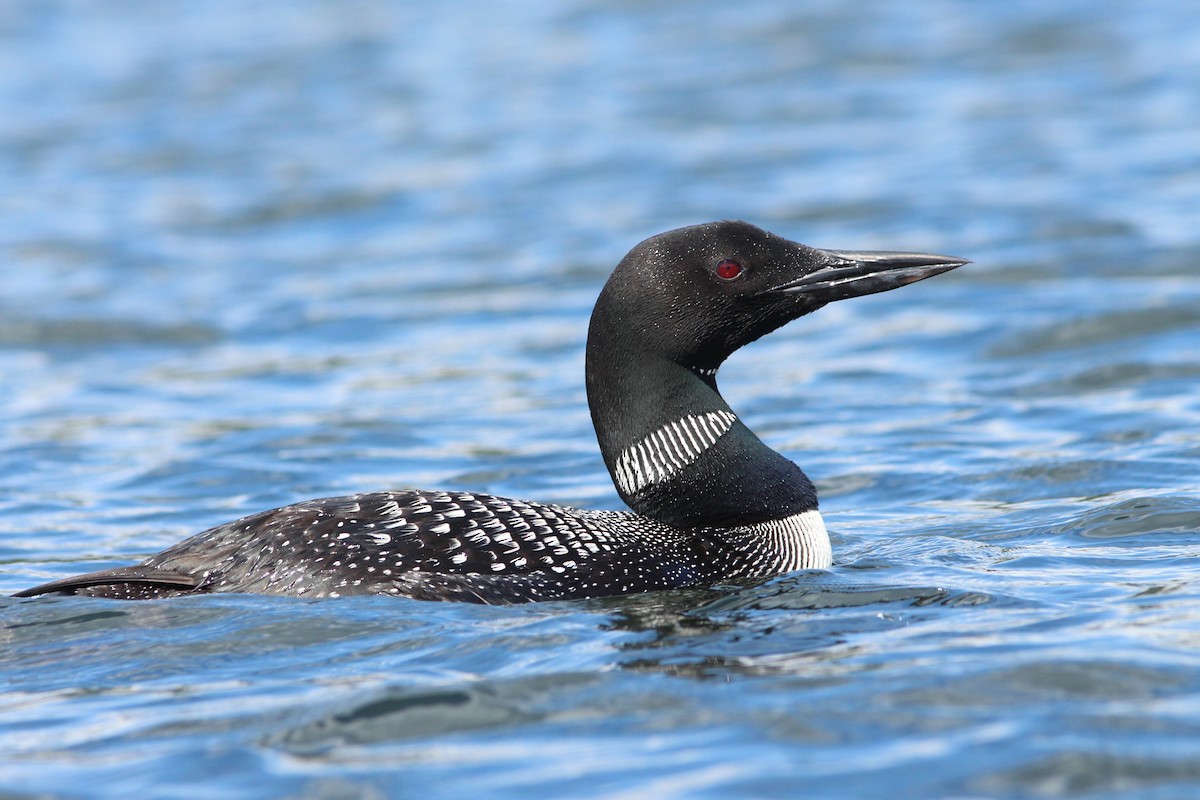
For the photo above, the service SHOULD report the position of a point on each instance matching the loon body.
(711, 502)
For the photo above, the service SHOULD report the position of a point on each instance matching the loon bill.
(710, 502)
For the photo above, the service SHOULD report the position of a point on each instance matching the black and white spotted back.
(464, 546)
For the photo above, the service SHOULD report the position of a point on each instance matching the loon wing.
(425, 545)
(153, 580)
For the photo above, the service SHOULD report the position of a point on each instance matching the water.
(253, 254)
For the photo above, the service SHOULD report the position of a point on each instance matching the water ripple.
(255, 253)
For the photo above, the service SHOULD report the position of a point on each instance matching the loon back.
(710, 500)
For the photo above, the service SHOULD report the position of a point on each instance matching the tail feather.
(147, 577)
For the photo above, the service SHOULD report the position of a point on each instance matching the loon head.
(694, 295)
(673, 310)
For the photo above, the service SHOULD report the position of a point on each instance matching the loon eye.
(728, 269)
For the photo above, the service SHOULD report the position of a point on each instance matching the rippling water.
(255, 253)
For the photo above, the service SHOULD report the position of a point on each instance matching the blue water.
(252, 253)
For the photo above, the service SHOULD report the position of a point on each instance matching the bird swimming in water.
(710, 501)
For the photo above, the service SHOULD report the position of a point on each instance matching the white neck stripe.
(669, 449)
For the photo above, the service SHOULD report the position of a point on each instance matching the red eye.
(728, 269)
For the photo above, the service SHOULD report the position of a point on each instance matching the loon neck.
(674, 448)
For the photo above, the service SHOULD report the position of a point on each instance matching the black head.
(694, 295)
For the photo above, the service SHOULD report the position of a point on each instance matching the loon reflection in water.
(710, 501)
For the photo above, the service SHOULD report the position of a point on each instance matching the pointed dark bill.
(851, 274)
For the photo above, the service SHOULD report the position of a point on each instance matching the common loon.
(710, 501)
